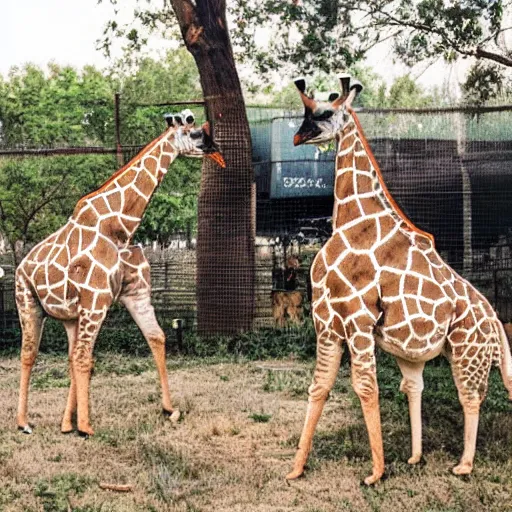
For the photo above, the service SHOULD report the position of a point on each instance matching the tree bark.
(226, 214)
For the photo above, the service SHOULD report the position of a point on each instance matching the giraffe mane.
(125, 168)
(385, 189)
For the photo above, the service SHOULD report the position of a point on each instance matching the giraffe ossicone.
(75, 274)
(380, 281)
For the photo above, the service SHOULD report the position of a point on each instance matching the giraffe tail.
(506, 360)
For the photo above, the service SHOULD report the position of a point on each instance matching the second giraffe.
(379, 281)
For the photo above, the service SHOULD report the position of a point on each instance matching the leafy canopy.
(61, 107)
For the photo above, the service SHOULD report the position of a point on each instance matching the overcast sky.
(65, 31)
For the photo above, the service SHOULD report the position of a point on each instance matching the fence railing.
(449, 168)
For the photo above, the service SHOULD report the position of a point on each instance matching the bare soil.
(233, 446)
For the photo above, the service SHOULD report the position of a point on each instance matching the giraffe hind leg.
(32, 322)
(472, 388)
(67, 419)
(506, 358)
(412, 386)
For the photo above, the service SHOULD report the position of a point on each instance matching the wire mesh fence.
(450, 170)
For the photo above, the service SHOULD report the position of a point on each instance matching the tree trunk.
(226, 213)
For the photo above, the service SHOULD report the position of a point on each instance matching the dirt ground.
(233, 447)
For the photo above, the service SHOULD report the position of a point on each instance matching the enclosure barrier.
(450, 169)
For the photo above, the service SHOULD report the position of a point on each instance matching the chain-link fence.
(450, 170)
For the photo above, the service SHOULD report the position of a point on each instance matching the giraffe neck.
(117, 207)
(359, 188)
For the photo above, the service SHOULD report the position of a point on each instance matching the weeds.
(53, 378)
(260, 417)
(172, 474)
(54, 494)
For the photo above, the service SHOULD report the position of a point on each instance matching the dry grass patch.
(236, 442)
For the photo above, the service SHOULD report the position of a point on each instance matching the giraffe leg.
(32, 322)
(139, 306)
(412, 386)
(472, 389)
(89, 325)
(471, 406)
(328, 358)
(67, 419)
(364, 382)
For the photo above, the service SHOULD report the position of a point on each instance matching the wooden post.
(467, 221)
(117, 122)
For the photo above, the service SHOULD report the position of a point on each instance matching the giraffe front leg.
(67, 419)
(139, 306)
(364, 382)
(328, 358)
(89, 325)
(412, 386)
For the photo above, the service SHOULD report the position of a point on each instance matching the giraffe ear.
(333, 96)
(178, 120)
(169, 119)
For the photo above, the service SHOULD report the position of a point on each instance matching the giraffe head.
(189, 140)
(323, 120)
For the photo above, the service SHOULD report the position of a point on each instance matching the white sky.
(65, 31)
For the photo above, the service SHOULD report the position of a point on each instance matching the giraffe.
(76, 273)
(380, 281)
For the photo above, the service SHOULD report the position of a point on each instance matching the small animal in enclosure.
(75, 274)
(287, 303)
(380, 281)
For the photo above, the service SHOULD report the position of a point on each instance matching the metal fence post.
(117, 122)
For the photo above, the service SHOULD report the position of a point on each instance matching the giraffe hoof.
(62, 431)
(462, 469)
(372, 479)
(85, 432)
(415, 459)
(296, 473)
(174, 416)
(26, 429)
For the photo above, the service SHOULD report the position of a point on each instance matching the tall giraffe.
(76, 273)
(379, 281)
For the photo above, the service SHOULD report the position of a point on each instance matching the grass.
(241, 424)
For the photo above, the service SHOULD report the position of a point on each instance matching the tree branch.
(480, 53)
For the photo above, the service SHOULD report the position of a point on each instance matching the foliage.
(54, 494)
(403, 92)
(296, 342)
(173, 208)
(260, 417)
(153, 82)
(38, 194)
(65, 107)
(484, 82)
(329, 35)
(62, 107)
